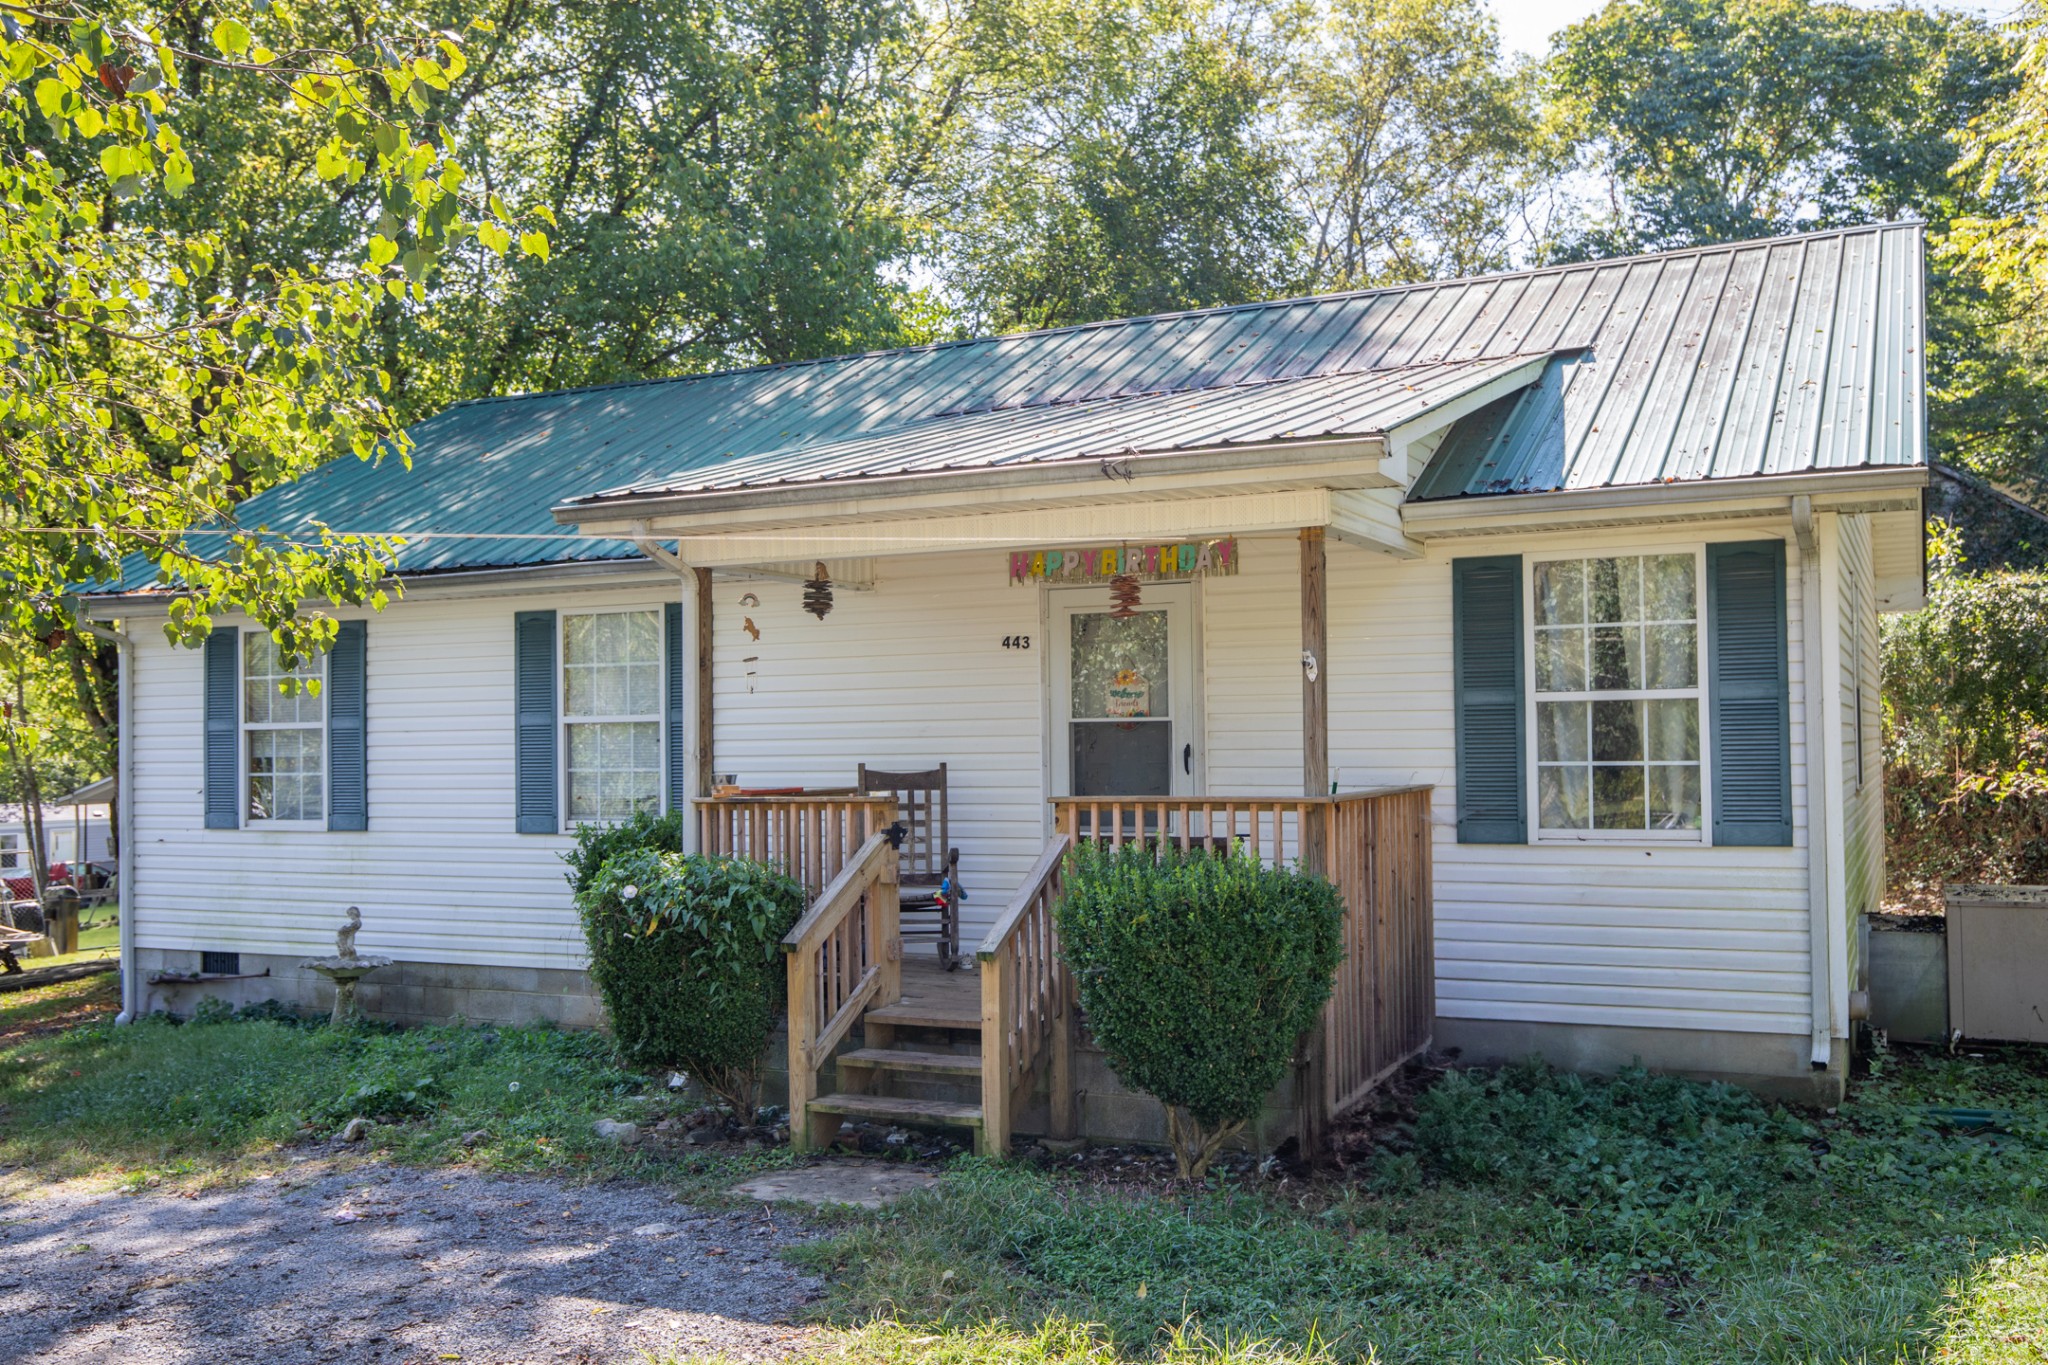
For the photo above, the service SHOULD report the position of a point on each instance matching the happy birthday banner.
(1190, 559)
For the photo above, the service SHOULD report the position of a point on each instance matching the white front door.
(1124, 688)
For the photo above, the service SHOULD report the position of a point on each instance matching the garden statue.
(346, 967)
(345, 936)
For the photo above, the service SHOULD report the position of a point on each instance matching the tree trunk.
(1194, 1149)
(31, 791)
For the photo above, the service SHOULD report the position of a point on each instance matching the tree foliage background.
(296, 227)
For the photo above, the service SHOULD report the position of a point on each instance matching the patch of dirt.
(392, 1265)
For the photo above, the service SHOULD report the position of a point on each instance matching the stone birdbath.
(346, 967)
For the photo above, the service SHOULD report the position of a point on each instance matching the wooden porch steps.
(938, 1012)
(897, 1109)
(925, 1063)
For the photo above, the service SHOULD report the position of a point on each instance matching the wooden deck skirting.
(1375, 846)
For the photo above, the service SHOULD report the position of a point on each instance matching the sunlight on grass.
(1056, 1341)
(67, 1004)
(196, 1102)
(1999, 1315)
(100, 943)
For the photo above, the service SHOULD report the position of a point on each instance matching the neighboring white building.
(1599, 552)
(66, 830)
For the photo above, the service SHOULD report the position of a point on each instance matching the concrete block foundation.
(1777, 1066)
(404, 992)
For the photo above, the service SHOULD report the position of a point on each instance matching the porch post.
(1312, 1061)
(703, 718)
(1315, 668)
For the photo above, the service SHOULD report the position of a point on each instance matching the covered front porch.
(990, 1045)
(1095, 646)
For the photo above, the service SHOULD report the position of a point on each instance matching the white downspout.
(1820, 973)
(124, 819)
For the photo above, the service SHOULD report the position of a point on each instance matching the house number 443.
(1016, 642)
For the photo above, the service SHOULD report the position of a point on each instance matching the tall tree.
(1715, 120)
(718, 170)
(1996, 393)
(1414, 149)
(1121, 160)
(143, 398)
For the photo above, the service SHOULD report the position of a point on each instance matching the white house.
(1595, 552)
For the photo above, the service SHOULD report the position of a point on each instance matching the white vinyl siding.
(908, 675)
(914, 673)
(443, 879)
(1862, 765)
(1671, 935)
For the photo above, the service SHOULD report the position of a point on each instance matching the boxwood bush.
(686, 952)
(595, 843)
(1198, 974)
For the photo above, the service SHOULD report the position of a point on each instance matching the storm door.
(1124, 720)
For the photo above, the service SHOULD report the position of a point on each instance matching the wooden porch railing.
(843, 957)
(1027, 998)
(1375, 846)
(811, 836)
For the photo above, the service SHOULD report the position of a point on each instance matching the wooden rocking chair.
(928, 866)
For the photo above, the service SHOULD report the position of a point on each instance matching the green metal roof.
(1764, 357)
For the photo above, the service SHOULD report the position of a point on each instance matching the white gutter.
(1843, 490)
(124, 820)
(1820, 973)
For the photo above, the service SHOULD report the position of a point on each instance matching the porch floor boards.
(934, 997)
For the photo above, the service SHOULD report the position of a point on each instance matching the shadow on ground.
(392, 1265)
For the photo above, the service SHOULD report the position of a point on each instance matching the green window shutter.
(678, 748)
(1749, 693)
(348, 785)
(223, 656)
(1486, 671)
(535, 785)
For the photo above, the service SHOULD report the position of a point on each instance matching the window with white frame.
(284, 733)
(611, 713)
(10, 850)
(1617, 697)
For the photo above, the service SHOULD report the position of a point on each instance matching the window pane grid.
(611, 708)
(1616, 694)
(284, 724)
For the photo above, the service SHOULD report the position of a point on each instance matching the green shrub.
(1199, 974)
(686, 951)
(1966, 731)
(595, 843)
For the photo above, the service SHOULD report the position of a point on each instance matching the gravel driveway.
(392, 1265)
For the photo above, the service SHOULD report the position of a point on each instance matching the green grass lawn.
(1521, 1217)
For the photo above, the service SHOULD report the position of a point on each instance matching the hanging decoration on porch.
(1189, 559)
(818, 592)
(1125, 596)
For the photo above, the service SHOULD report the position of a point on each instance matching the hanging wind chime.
(1125, 596)
(818, 591)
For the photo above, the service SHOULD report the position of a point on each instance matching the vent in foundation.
(220, 964)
